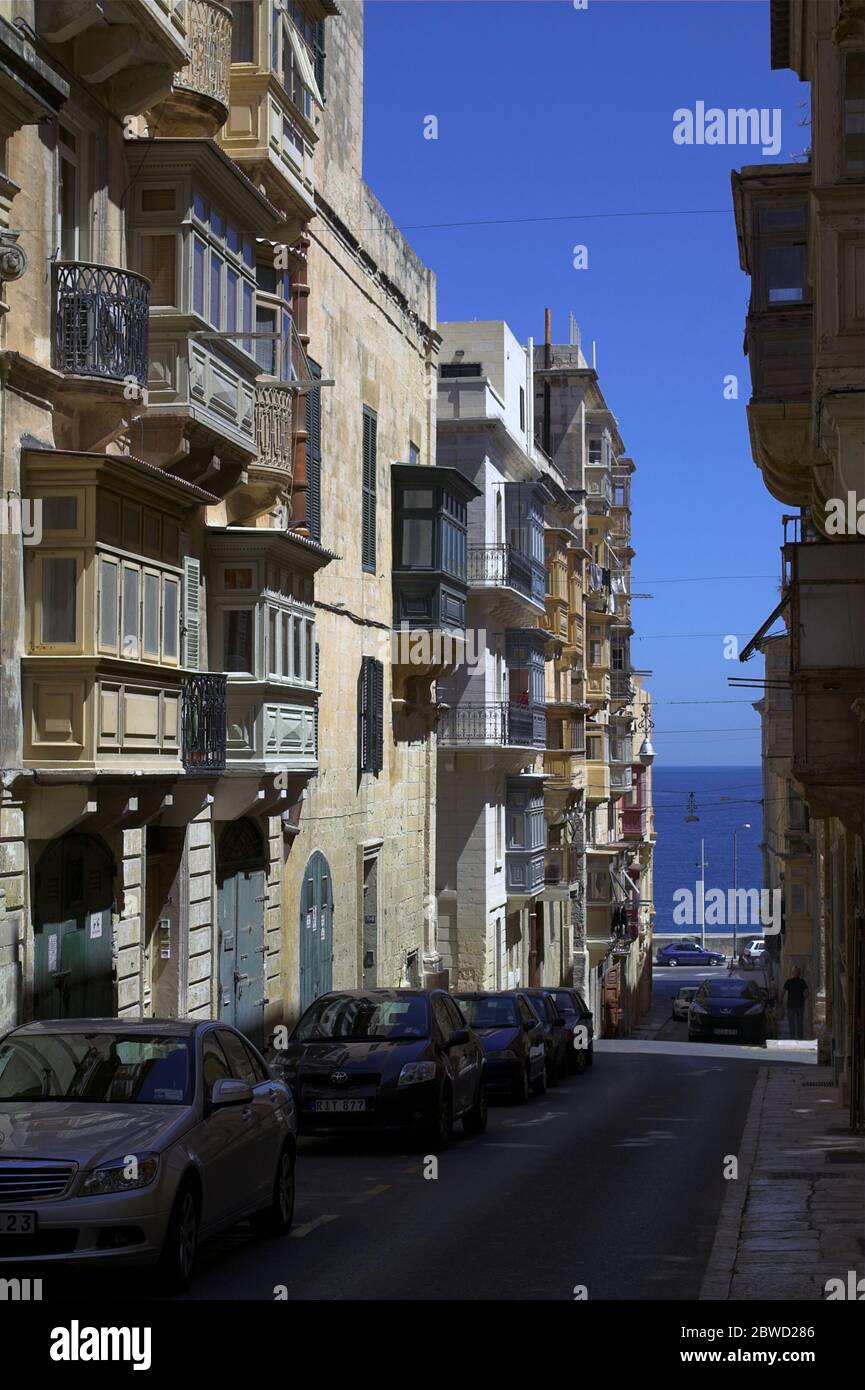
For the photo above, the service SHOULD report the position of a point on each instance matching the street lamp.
(647, 752)
(745, 826)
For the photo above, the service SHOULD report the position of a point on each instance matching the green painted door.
(74, 896)
(316, 930)
(241, 894)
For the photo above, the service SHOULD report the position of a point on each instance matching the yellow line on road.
(373, 1192)
(300, 1231)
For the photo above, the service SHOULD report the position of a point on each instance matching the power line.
(736, 729)
(559, 217)
(701, 578)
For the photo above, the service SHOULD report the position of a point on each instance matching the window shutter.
(315, 707)
(159, 264)
(370, 432)
(377, 712)
(190, 656)
(313, 456)
(363, 716)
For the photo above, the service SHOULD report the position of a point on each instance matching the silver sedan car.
(127, 1142)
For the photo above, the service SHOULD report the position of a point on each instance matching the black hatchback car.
(379, 1059)
(729, 1008)
(513, 1041)
(555, 1031)
(578, 1016)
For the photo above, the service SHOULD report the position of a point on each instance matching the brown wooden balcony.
(199, 99)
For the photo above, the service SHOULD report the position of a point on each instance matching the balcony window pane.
(286, 641)
(231, 279)
(415, 498)
(58, 599)
(265, 277)
(785, 274)
(275, 28)
(131, 618)
(199, 206)
(108, 605)
(248, 299)
(217, 224)
(298, 663)
(265, 348)
(170, 610)
(285, 347)
(417, 542)
(233, 239)
(237, 644)
(241, 31)
(273, 641)
(216, 267)
(151, 615)
(198, 249)
(854, 112)
(158, 263)
(59, 513)
(310, 652)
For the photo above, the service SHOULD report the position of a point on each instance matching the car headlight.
(122, 1175)
(413, 1072)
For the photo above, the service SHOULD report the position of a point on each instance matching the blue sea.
(726, 797)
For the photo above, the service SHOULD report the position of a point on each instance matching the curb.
(722, 1260)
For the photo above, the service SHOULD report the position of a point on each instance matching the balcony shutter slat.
(370, 441)
(190, 644)
(363, 716)
(313, 456)
(377, 705)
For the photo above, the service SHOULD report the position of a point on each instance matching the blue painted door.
(73, 973)
(316, 930)
(241, 894)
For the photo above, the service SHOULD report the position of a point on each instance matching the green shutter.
(370, 432)
(313, 456)
(190, 631)
(363, 716)
(377, 716)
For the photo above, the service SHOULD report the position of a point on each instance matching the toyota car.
(379, 1059)
(124, 1142)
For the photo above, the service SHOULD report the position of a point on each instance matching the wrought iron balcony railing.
(500, 564)
(101, 321)
(621, 685)
(208, 72)
(204, 721)
(273, 427)
(494, 723)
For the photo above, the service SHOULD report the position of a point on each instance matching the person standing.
(796, 991)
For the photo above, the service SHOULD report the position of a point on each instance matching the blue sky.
(545, 111)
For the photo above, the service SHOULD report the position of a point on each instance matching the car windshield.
(99, 1068)
(495, 1012)
(365, 1017)
(730, 989)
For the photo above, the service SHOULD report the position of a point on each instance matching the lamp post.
(745, 826)
(646, 723)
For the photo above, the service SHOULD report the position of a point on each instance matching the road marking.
(300, 1231)
(497, 1144)
(373, 1192)
(413, 1170)
(538, 1120)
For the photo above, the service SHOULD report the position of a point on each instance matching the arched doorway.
(316, 930)
(73, 896)
(241, 893)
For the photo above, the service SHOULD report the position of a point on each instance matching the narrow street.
(645, 1134)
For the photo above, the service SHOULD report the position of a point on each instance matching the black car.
(379, 1059)
(577, 1015)
(513, 1041)
(555, 1035)
(729, 1008)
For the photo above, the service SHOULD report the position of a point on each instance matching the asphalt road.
(613, 1180)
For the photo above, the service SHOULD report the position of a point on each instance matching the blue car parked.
(688, 953)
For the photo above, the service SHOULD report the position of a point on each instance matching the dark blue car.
(688, 953)
(512, 1038)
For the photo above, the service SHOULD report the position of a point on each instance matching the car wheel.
(180, 1247)
(475, 1120)
(672, 962)
(522, 1087)
(277, 1218)
(580, 1060)
(439, 1137)
(539, 1085)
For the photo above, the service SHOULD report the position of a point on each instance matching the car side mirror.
(458, 1038)
(228, 1091)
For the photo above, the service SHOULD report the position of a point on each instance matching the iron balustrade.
(101, 321)
(209, 68)
(204, 721)
(273, 427)
(500, 564)
(494, 723)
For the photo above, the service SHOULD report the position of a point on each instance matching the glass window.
(59, 513)
(266, 348)
(238, 1057)
(151, 614)
(238, 625)
(273, 651)
(248, 304)
(298, 663)
(217, 224)
(417, 542)
(199, 206)
(108, 604)
(231, 282)
(131, 616)
(413, 498)
(785, 274)
(310, 653)
(214, 1062)
(198, 249)
(131, 527)
(170, 612)
(286, 644)
(238, 578)
(216, 268)
(854, 112)
(58, 599)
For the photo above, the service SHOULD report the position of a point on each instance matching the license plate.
(342, 1106)
(17, 1223)
(728, 1032)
